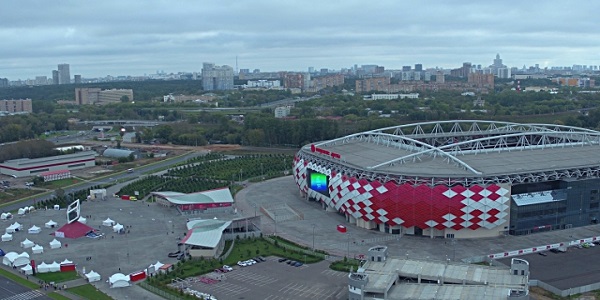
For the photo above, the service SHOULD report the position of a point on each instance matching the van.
(129, 170)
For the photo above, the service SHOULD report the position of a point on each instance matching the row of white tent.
(6, 216)
(14, 259)
(117, 227)
(25, 210)
(45, 268)
(16, 226)
(54, 244)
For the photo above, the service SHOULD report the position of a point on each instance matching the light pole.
(313, 226)
(262, 172)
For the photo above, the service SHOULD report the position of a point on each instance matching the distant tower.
(237, 72)
(64, 74)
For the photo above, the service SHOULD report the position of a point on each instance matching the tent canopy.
(108, 222)
(92, 276)
(50, 224)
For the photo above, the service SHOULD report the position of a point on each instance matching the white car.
(251, 262)
(227, 268)
(242, 263)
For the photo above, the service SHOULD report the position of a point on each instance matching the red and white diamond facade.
(431, 181)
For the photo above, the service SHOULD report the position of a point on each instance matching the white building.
(267, 84)
(282, 111)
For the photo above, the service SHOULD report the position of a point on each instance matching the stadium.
(457, 179)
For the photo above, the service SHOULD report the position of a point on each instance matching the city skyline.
(114, 38)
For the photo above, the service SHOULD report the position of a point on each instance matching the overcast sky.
(99, 38)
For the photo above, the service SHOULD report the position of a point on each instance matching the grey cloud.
(126, 37)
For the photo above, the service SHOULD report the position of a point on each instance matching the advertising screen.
(318, 182)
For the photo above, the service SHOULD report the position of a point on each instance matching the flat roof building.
(31, 167)
(383, 277)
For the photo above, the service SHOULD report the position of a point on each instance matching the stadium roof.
(465, 151)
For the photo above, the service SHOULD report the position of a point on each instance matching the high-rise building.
(418, 67)
(216, 78)
(64, 74)
(54, 76)
(77, 79)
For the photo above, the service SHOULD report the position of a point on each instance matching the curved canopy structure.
(463, 152)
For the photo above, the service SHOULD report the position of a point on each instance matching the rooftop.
(463, 149)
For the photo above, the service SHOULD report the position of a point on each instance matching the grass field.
(89, 291)
(57, 276)
(57, 296)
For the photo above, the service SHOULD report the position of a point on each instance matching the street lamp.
(262, 172)
(313, 226)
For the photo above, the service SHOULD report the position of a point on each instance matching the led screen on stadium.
(318, 182)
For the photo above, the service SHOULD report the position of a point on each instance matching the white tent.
(3, 216)
(27, 244)
(9, 258)
(43, 268)
(82, 220)
(28, 270)
(14, 227)
(6, 237)
(31, 208)
(108, 222)
(56, 207)
(118, 228)
(92, 276)
(37, 249)
(21, 260)
(55, 244)
(65, 262)
(21, 211)
(51, 224)
(34, 229)
(118, 280)
(153, 269)
(54, 267)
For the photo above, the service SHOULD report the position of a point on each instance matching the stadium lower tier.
(450, 211)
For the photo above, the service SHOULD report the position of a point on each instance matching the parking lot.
(576, 267)
(273, 280)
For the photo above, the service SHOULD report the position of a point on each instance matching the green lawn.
(10, 195)
(18, 279)
(57, 276)
(89, 291)
(57, 296)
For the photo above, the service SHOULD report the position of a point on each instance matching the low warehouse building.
(25, 167)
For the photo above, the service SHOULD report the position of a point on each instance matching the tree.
(124, 98)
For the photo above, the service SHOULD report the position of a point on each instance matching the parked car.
(227, 268)
(282, 259)
(543, 253)
(242, 263)
(291, 262)
(251, 262)
(260, 258)
(174, 254)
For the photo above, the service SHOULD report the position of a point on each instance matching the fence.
(158, 291)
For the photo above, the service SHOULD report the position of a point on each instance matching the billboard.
(318, 182)
(73, 211)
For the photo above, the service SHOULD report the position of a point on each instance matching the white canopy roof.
(82, 220)
(50, 223)
(118, 227)
(37, 249)
(108, 222)
(4, 216)
(10, 257)
(55, 242)
(66, 261)
(16, 224)
(54, 267)
(118, 277)
(34, 228)
(21, 211)
(27, 268)
(7, 237)
(92, 276)
(27, 243)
